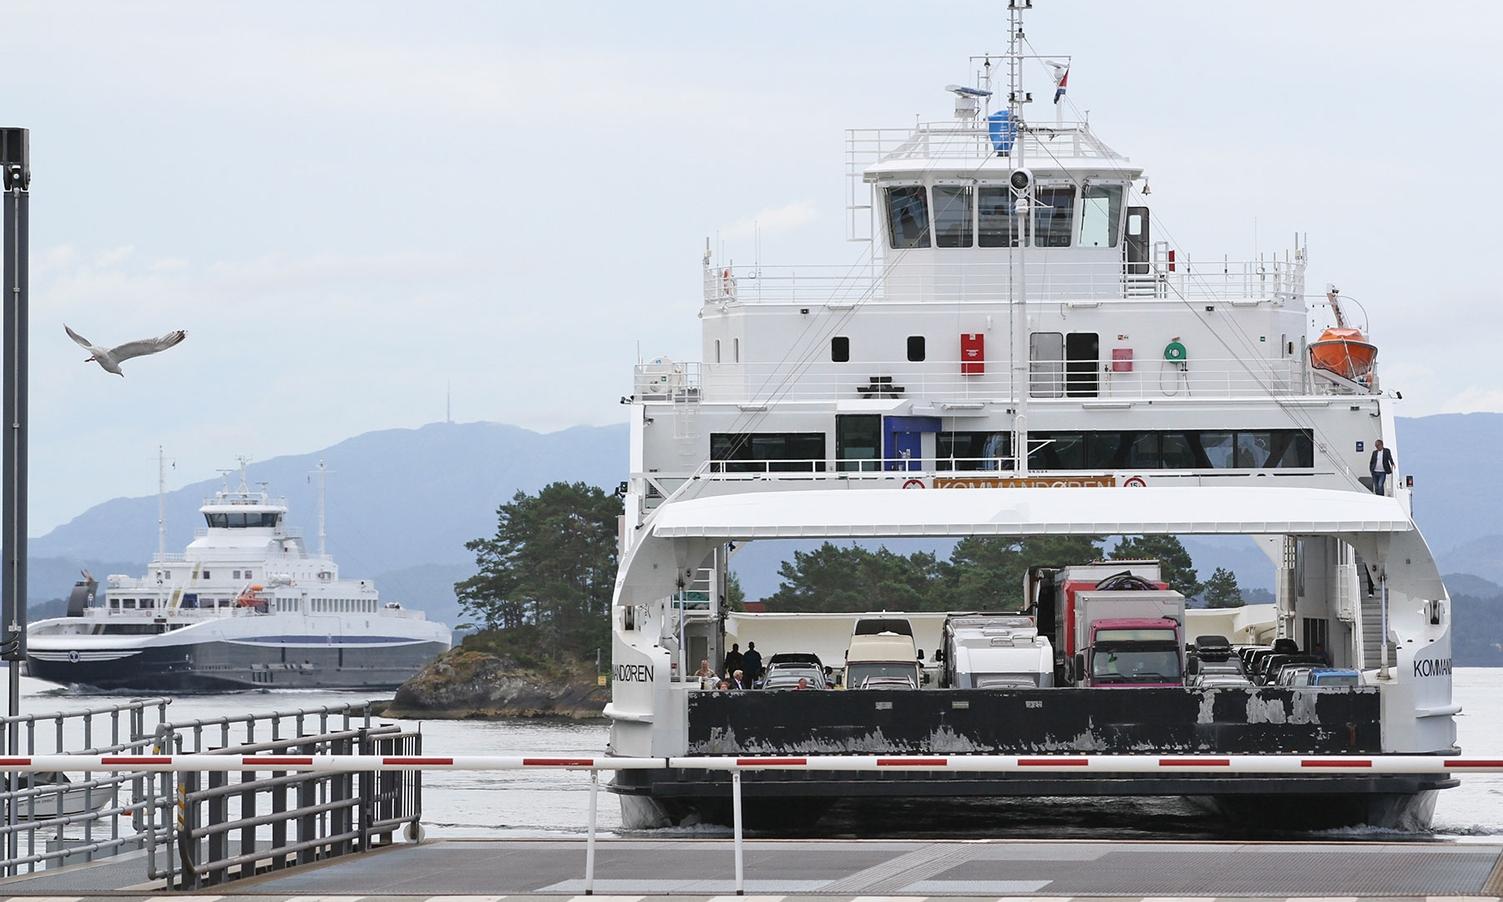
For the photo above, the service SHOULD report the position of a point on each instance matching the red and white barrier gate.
(1114, 764)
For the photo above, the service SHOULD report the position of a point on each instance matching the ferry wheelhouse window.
(1053, 213)
(952, 215)
(908, 216)
(239, 520)
(997, 221)
(761, 452)
(1100, 215)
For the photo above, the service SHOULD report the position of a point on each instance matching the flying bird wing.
(147, 346)
(82, 342)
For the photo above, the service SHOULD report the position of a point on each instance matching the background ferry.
(246, 606)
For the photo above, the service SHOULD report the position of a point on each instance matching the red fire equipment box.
(1121, 360)
(972, 353)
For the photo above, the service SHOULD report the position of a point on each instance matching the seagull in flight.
(109, 358)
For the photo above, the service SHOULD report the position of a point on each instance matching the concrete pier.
(630, 870)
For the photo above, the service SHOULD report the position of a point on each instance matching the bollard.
(589, 856)
(736, 821)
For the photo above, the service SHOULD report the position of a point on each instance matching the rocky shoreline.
(466, 684)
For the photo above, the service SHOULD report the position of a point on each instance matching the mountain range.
(402, 503)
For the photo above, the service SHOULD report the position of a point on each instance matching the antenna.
(244, 478)
(161, 502)
(323, 536)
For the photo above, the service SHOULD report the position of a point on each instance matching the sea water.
(556, 803)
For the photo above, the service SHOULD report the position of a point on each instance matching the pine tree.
(1221, 590)
(1174, 561)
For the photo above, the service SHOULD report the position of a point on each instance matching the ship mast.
(323, 474)
(1018, 309)
(161, 503)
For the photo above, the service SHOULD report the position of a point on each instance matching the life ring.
(914, 484)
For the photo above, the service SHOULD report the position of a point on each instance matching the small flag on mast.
(1061, 81)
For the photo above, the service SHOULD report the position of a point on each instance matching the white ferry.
(246, 606)
(1020, 351)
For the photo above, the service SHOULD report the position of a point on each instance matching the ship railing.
(211, 829)
(379, 764)
(961, 140)
(76, 814)
(960, 382)
(1052, 277)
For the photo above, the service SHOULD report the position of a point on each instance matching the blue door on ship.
(903, 441)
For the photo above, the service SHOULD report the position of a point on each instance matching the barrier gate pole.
(736, 820)
(589, 855)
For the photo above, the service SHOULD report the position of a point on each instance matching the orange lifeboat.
(1343, 350)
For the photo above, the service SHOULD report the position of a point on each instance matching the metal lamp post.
(15, 163)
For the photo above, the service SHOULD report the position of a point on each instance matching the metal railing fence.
(71, 813)
(213, 829)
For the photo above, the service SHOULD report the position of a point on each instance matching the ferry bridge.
(684, 867)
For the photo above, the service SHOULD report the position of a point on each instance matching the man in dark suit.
(1380, 466)
(751, 662)
(732, 660)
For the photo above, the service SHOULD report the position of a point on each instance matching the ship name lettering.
(1428, 667)
(634, 673)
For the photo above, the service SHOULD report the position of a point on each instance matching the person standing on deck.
(733, 660)
(751, 662)
(1380, 466)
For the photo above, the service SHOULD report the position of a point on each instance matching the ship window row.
(240, 520)
(973, 215)
(840, 349)
(341, 605)
(1192, 449)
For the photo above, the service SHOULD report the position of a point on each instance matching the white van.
(882, 655)
(995, 651)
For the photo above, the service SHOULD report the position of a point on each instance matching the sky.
(352, 206)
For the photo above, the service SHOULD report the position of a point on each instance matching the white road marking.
(466, 898)
(606, 899)
(746, 899)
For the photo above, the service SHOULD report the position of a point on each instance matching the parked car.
(1334, 676)
(790, 673)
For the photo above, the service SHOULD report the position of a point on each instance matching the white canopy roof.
(860, 512)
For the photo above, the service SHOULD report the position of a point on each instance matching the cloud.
(773, 220)
(1473, 399)
(114, 256)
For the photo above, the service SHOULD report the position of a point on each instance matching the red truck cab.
(1137, 652)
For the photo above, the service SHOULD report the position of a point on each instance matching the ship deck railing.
(1087, 383)
(1068, 143)
(1053, 275)
(720, 477)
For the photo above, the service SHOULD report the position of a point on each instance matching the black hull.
(1243, 805)
(231, 666)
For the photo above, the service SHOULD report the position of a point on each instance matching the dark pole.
(15, 158)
